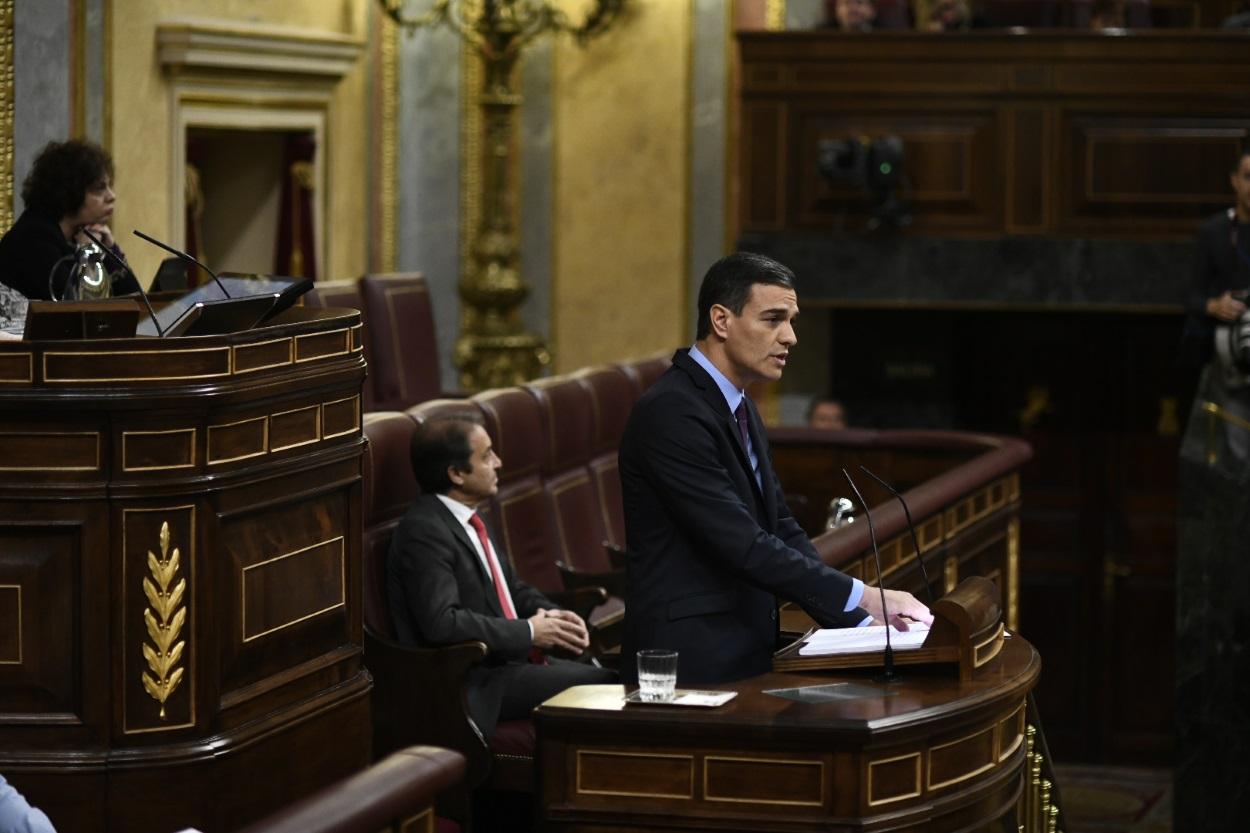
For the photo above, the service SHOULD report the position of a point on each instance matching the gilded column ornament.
(493, 349)
(389, 154)
(775, 15)
(164, 618)
(6, 113)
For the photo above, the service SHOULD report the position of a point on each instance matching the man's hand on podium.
(903, 606)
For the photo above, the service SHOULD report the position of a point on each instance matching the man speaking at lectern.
(712, 543)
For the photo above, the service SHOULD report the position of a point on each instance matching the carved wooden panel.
(1004, 133)
(284, 583)
(40, 579)
(1127, 170)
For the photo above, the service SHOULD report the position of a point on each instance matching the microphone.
(181, 255)
(928, 588)
(887, 675)
(142, 293)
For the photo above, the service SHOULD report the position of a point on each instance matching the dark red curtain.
(296, 246)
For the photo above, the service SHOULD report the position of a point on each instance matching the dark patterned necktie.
(741, 414)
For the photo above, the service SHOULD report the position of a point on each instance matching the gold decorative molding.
(759, 765)
(1013, 574)
(774, 15)
(653, 758)
(198, 44)
(916, 790)
(164, 618)
(6, 113)
(388, 162)
(310, 550)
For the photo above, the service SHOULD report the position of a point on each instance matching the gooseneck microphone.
(911, 527)
(181, 255)
(887, 673)
(142, 292)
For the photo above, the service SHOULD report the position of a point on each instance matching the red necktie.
(496, 576)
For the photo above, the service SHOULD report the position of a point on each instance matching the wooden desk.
(937, 755)
(180, 615)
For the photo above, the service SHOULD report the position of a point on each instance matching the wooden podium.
(180, 619)
(936, 750)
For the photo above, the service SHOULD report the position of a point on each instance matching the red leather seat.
(524, 520)
(404, 345)
(645, 371)
(612, 396)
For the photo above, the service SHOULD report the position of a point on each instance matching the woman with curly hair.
(70, 187)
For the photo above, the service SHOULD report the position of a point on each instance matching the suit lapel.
(467, 550)
(716, 400)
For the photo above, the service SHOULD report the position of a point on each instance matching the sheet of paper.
(833, 641)
(703, 698)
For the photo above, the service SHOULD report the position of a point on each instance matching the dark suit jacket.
(30, 249)
(710, 551)
(440, 593)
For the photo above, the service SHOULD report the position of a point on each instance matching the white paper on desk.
(703, 698)
(833, 641)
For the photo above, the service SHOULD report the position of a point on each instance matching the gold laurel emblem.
(164, 619)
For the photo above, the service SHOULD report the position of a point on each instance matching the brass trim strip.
(95, 354)
(1013, 574)
(422, 822)
(915, 794)
(93, 434)
(30, 357)
(968, 775)
(316, 418)
(208, 453)
(672, 757)
(1004, 754)
(354, 429)
(190, 617)
(995, 641)
(1226, 415)
(234, 350)
(774, 15)
(342, 588)
(820, 765)
(347, 345)
(389, 158)
(126, 435)
(6, 113)
(18, 588)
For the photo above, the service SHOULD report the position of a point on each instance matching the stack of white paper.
(833, 641)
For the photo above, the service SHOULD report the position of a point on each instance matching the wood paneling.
(144, 672)
(1073, 133)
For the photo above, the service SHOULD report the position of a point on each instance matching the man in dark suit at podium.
(712, 543)
(448, 582)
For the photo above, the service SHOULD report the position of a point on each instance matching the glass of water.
(657, 675)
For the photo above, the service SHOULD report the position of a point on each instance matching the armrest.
(613, 582)
(618, 556)
(419, 698)
(581, 600)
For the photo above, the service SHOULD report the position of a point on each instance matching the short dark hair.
(440, 443)
(728, 283)
(61, 175)
(817, 401)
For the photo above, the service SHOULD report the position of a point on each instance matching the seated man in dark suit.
(447, 582)
(711, 541)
